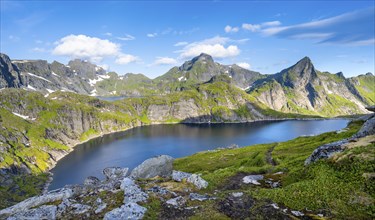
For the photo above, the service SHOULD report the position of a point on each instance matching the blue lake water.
(132, 147)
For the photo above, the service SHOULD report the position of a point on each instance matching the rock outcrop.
(9, 73)
(328, 150)
(157, 166)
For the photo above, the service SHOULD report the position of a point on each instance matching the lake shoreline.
(173, 123)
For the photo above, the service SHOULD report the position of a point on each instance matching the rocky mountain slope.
(86, 78)
(303, 89)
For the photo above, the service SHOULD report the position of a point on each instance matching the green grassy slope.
(334, 187)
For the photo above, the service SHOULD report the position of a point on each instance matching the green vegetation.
(336, 186)
(366, 87)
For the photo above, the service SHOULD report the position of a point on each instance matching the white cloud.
(13, 38)
(39, 50)
(164, 61)
(85, 47)
(251, 27)
(126, 58)
(108, 34)
(244, 65)
(355, 28)
(152, 35)
(258, 27)
(271, 23)
(229, 29)
(126, 37)
(182, 43)
(215, 46)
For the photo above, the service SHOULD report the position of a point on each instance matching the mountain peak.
(202, 58)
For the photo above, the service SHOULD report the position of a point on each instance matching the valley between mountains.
(48, 108)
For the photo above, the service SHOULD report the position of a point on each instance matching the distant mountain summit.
(202, 69)
(303, 89)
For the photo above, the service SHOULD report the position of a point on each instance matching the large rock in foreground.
(52, 196)
(157, 166)
(127, 211)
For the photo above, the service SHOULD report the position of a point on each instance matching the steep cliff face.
(303, 89)
(10, 76)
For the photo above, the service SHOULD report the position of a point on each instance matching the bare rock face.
(127, 211)
(9, 73)
(43, 212)
(91, 181)
(133, 193)
(115, 173)
(52, 196)
(198, 181)
(328, 150)
(157, 166)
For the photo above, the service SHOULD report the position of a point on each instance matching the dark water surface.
(132, 147)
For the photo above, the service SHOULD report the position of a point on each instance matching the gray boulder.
(157, 166)
(197, 181)
(253, 179)
(52, 196)
(47, 212)
(199, 197)
(368, 128)
(326, 151)
(115, 173)
(91, 181)
(176, 202)
(179, 175)
(133, 193)
(127, 211)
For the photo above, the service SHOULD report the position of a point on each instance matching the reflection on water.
(130, 148)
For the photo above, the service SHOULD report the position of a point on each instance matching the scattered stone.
(197, 181)
(236, 207)
(91, 181)
(133, 193)
(271, 211)
(232, 146)
(157, 166)
(42, 212)
(179, 175)
(253, 179)
(297, 213)
(237, 194)
(80, 208)
(128, 211)
(199, 197)
(273, 184)
(161, 191)
(176, 202)
(100, 208)
(115, 173)
(52, 196)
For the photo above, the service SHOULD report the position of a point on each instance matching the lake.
(132, 147)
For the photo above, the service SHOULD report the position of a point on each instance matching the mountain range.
(298, 89)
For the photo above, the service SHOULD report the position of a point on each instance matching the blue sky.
(150, 37)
